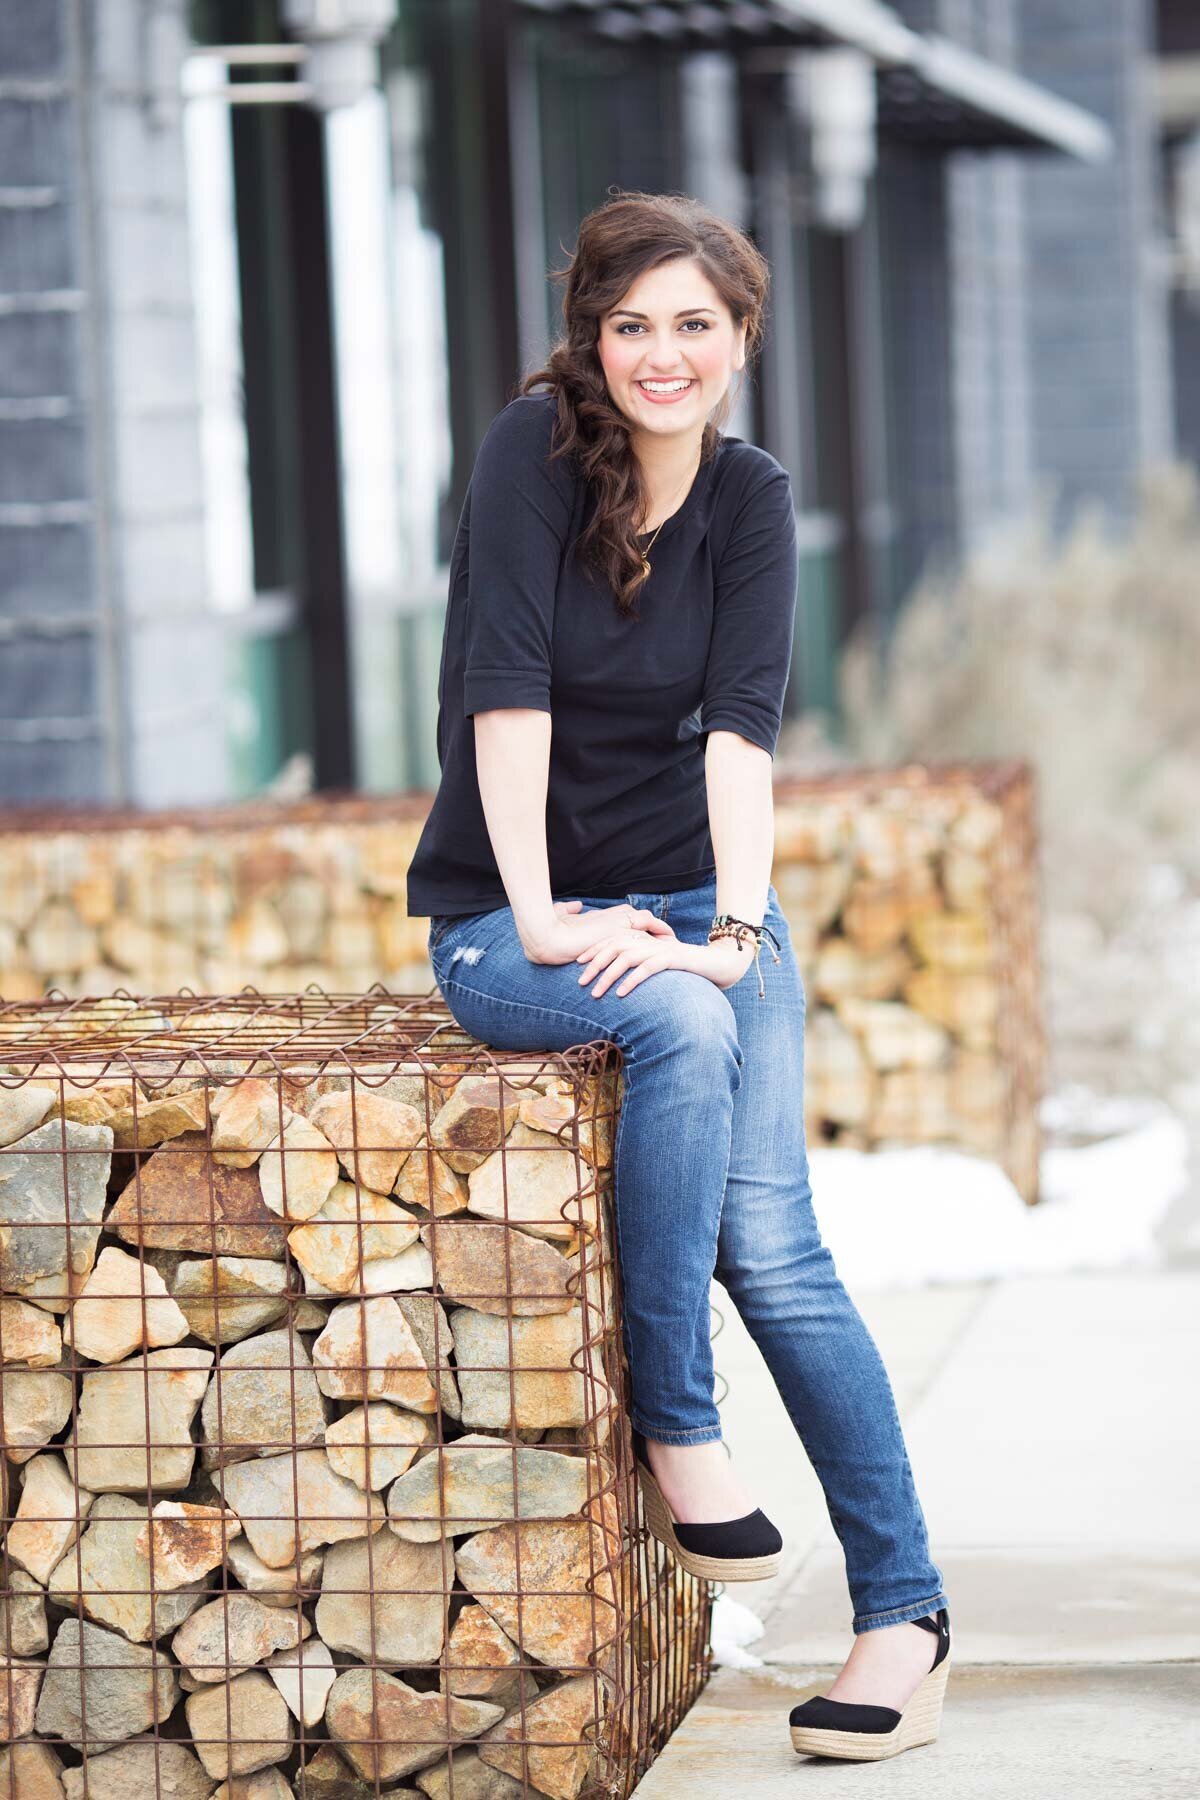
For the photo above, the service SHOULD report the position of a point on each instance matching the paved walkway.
(1052, 1424)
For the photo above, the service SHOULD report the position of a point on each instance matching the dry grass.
(1083, 655)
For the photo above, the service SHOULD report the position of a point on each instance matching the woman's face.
(671, 327)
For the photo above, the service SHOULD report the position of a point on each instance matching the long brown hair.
(618, 241)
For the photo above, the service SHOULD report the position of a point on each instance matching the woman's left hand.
(641, 955)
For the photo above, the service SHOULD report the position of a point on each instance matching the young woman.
(596, 864)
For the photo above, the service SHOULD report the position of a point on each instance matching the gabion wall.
(316, 1474)
(911, 894)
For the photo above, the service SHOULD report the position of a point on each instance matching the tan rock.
(842, 971)
(959, 941)
(496, 1268)
(564, 1574)
(159, 1118)
(32, 1771)
(384, 1131)
(814, 891)
(840, 1084)
(290, 1504)
(967, 880)
(913, 1107)
(181, 1200)
(551, 1736)
(297, 1171)
(482, 1662)
(147, 1767)
(108, 1576)
(368, 1352)
(23, 1628)
(966, 1005)
(233, 1633)
(287, 1586)
(41, 1190)
(246, 1119)
(893, 1035)
(19, 1684)
(475, 1121)
(429, 1323)
(49, 1516)
(534, 1184)
(547, 1382)
(100, 1689)
(28, 1335)
(111, 1429)
(469, 1484)
(263, 1398)
(386, 1729)
(304, 1676)
(472, 1779)
(225, 1298)
(268, 1784)
(183, 1541)
(386, 1600)
(239, 1726)
(123, 1306)
(353, 1229)
(428, 1181)
(374, 1444)
(22, 1108)
(878, 909)
(326, 1777)
(35, 1404)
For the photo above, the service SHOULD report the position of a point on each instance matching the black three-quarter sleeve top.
(631, 699)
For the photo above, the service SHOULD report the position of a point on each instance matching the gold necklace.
(662, 522)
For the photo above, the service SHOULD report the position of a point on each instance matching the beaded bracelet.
(725, 925)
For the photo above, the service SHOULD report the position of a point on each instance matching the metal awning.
(929, 90)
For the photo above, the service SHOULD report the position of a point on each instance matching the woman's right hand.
(577, 928)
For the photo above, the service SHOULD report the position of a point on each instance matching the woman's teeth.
(665, 387)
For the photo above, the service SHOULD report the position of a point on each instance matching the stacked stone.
(912, 909)
(278, 897)
(307, 1386)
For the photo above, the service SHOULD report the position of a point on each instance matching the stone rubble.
(260, 1465)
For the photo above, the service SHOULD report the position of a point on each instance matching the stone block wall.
(315, 1473)
(911, 895)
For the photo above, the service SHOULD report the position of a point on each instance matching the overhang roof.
(929, 90)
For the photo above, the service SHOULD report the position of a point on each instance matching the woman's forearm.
(512, 762)
(741, 822)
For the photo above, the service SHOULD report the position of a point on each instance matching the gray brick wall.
(111, 660)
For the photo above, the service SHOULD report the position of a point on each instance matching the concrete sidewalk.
(1052, 1428)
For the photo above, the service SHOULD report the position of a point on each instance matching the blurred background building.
(269, 267)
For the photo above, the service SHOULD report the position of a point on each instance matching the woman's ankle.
(698, 1481)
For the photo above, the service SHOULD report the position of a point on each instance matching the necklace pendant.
(646, 564)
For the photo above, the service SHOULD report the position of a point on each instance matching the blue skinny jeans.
(710, 1177)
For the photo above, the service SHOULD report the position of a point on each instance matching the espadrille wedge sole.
(919, 1724)
(711, 1568)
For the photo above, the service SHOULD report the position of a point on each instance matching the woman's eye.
(631, 325)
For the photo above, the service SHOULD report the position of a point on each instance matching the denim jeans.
(710, 1177)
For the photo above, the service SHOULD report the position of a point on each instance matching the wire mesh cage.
(317, 1477)
(912, 898)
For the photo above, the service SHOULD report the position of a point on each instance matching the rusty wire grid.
(317, 1477)
(912, 896)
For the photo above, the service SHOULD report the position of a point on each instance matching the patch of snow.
(910, 1216)
(733, 1627)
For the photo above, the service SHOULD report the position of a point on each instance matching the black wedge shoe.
(746, 1549)
(824, 1727)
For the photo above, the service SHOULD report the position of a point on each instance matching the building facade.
(268, 268)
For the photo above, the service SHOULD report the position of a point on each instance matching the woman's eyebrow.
(679, 315)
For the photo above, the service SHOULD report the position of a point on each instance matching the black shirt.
(631, 698)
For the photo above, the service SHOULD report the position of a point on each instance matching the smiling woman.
(606, 731)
